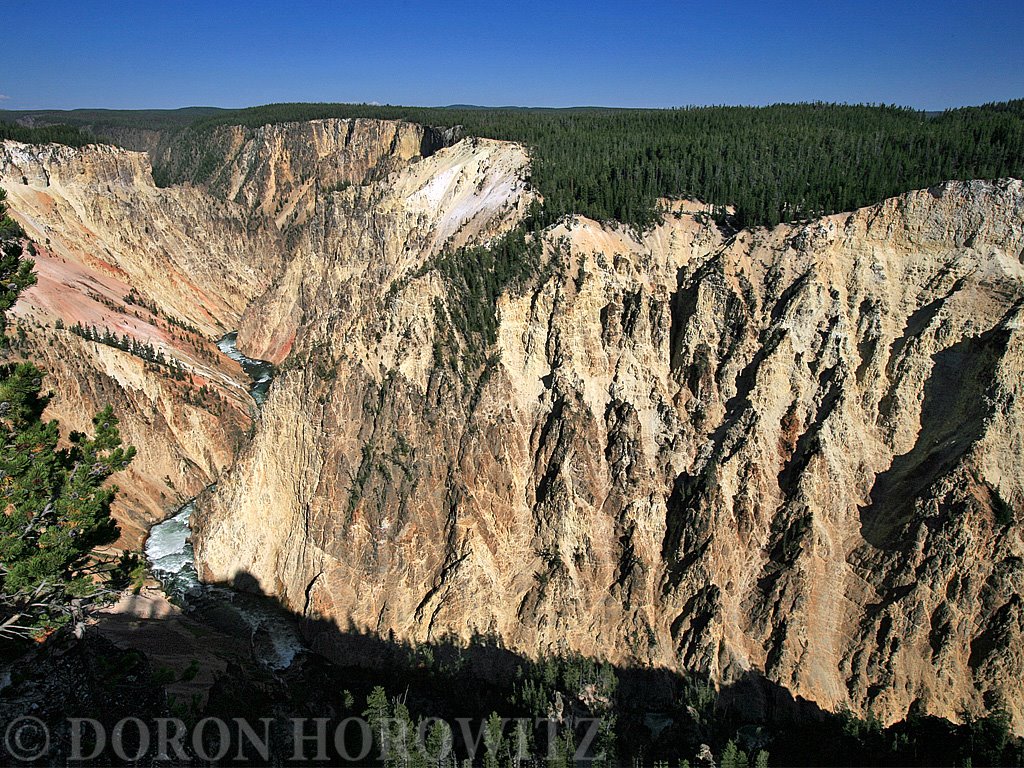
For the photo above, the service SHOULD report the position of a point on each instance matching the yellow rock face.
(793, 451)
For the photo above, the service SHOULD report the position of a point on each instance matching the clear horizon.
(120, 55)
(4, 108)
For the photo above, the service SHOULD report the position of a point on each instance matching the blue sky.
(225, 53)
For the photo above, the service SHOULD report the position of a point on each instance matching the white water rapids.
(274, 634)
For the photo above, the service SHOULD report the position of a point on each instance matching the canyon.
(793, 451)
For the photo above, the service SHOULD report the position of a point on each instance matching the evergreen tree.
(403, 750)
(15, 270)
(56, 508)
(492, 740)
(439, 744)
(377, 713)
(733, 756)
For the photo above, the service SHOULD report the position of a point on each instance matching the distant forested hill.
(46, 134)
(144, 130)
(779, 163)
(100, 120)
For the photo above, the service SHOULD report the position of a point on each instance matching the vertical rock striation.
(794, 452)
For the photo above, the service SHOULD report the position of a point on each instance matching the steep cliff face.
(199, 258)
(851, 514)
(278, 169)
(792, 451)
(170, 269)
(366, 241)
(174, 268)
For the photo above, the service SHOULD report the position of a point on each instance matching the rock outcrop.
(794, 452)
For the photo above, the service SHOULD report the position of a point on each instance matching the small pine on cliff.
(55, 506)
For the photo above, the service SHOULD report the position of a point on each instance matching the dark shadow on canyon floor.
(658, 714)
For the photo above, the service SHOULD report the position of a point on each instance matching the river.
(274, 634)
(260, 371)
